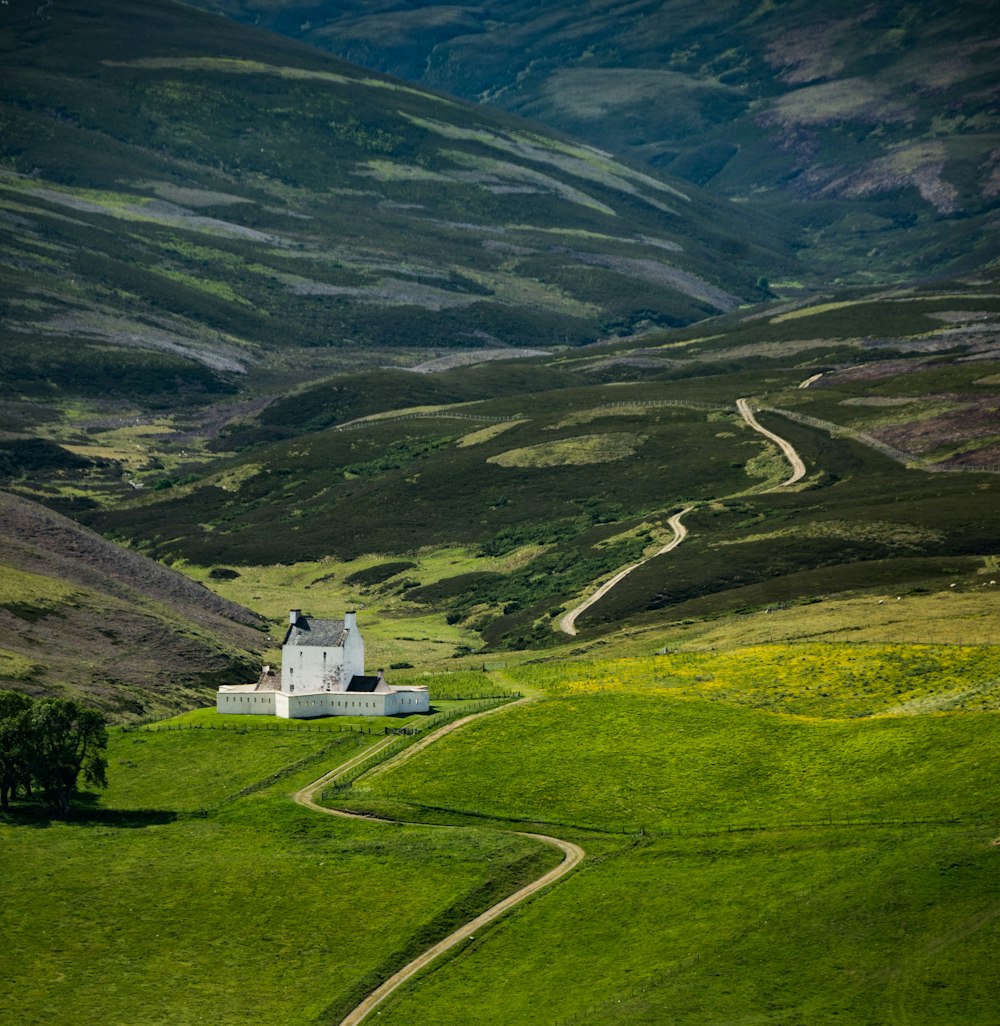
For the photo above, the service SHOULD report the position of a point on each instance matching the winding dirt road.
(568, 623)
(786, 447)
(573, 854)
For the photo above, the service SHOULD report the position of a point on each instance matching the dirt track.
(572, 855)
(568, 623)
(798, 467)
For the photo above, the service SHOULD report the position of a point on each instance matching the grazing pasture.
(772, 833)
(138, 910)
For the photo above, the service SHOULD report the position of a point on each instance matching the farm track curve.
(786, 447)
(573, 854)
(568, 622)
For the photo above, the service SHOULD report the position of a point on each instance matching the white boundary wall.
(236, 701)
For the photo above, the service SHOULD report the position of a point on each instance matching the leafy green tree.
(15, 773)
(49, 743)
(66, 739)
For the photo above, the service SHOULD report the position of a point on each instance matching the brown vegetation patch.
(807, 54)
(952, 429)
(919, 167)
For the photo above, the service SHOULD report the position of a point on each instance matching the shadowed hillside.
(80, 616)
(189, 202)
(872, 126)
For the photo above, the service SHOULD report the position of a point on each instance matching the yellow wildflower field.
(815, 680)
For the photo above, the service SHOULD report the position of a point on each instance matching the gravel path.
(798, 467)
(568, 623)
(573, 854)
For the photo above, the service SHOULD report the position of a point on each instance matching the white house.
(322, 674)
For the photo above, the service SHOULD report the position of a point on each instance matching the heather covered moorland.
(665, 454)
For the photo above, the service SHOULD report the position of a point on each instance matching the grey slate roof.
(368, 685)
(309, 630)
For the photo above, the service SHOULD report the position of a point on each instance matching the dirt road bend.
(573, 854)
(798, 467)
(568, 623)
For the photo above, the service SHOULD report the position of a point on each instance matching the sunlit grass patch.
(37, 590)
(484, 434)
(819, 680)
(578, 451)
(813, 311)
(16, 667)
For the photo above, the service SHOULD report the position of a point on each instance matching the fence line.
(346, 780)
(246, 728)
(908, 459)
(355, 425)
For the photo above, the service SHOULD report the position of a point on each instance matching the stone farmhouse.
(322, 674)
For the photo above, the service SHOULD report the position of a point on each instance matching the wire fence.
(346, 780)
(285, 771)
(251, 727)
(908, 459)
(356, 425)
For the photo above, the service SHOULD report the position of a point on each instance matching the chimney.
(293, 616)
(350, 620)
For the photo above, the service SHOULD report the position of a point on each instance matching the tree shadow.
(84, 812)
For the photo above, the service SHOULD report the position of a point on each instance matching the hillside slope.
(542, 478)
(875, 127)
(80, 616)
(190, 201)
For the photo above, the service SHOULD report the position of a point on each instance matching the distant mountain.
(80, 616)
(875, 127)
(184, 198)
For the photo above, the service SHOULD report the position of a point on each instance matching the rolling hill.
(81, 617)
(543, 477)
(249, 284)
(873, 127)
(193, 206)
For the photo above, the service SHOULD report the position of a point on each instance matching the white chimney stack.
(350, 620)
(293, 616)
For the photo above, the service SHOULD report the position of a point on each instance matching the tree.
(49, 743)
(14, 747)
(65, 740)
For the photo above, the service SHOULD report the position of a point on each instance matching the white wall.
(260, 703)
(304, 707)
(325, 703)
(311, 667)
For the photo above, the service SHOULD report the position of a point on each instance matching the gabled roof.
(310, 630)
(369, 685)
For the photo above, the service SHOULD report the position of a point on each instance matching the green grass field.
(746, 864)
(780, 834)
(135, 911)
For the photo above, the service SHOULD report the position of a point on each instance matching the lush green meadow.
(782, 835)
(866, 926)
(137, 910)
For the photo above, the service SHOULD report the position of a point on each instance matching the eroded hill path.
(786, 447)
(568, 622)
(573, 854)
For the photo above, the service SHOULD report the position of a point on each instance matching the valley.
(658, 436)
